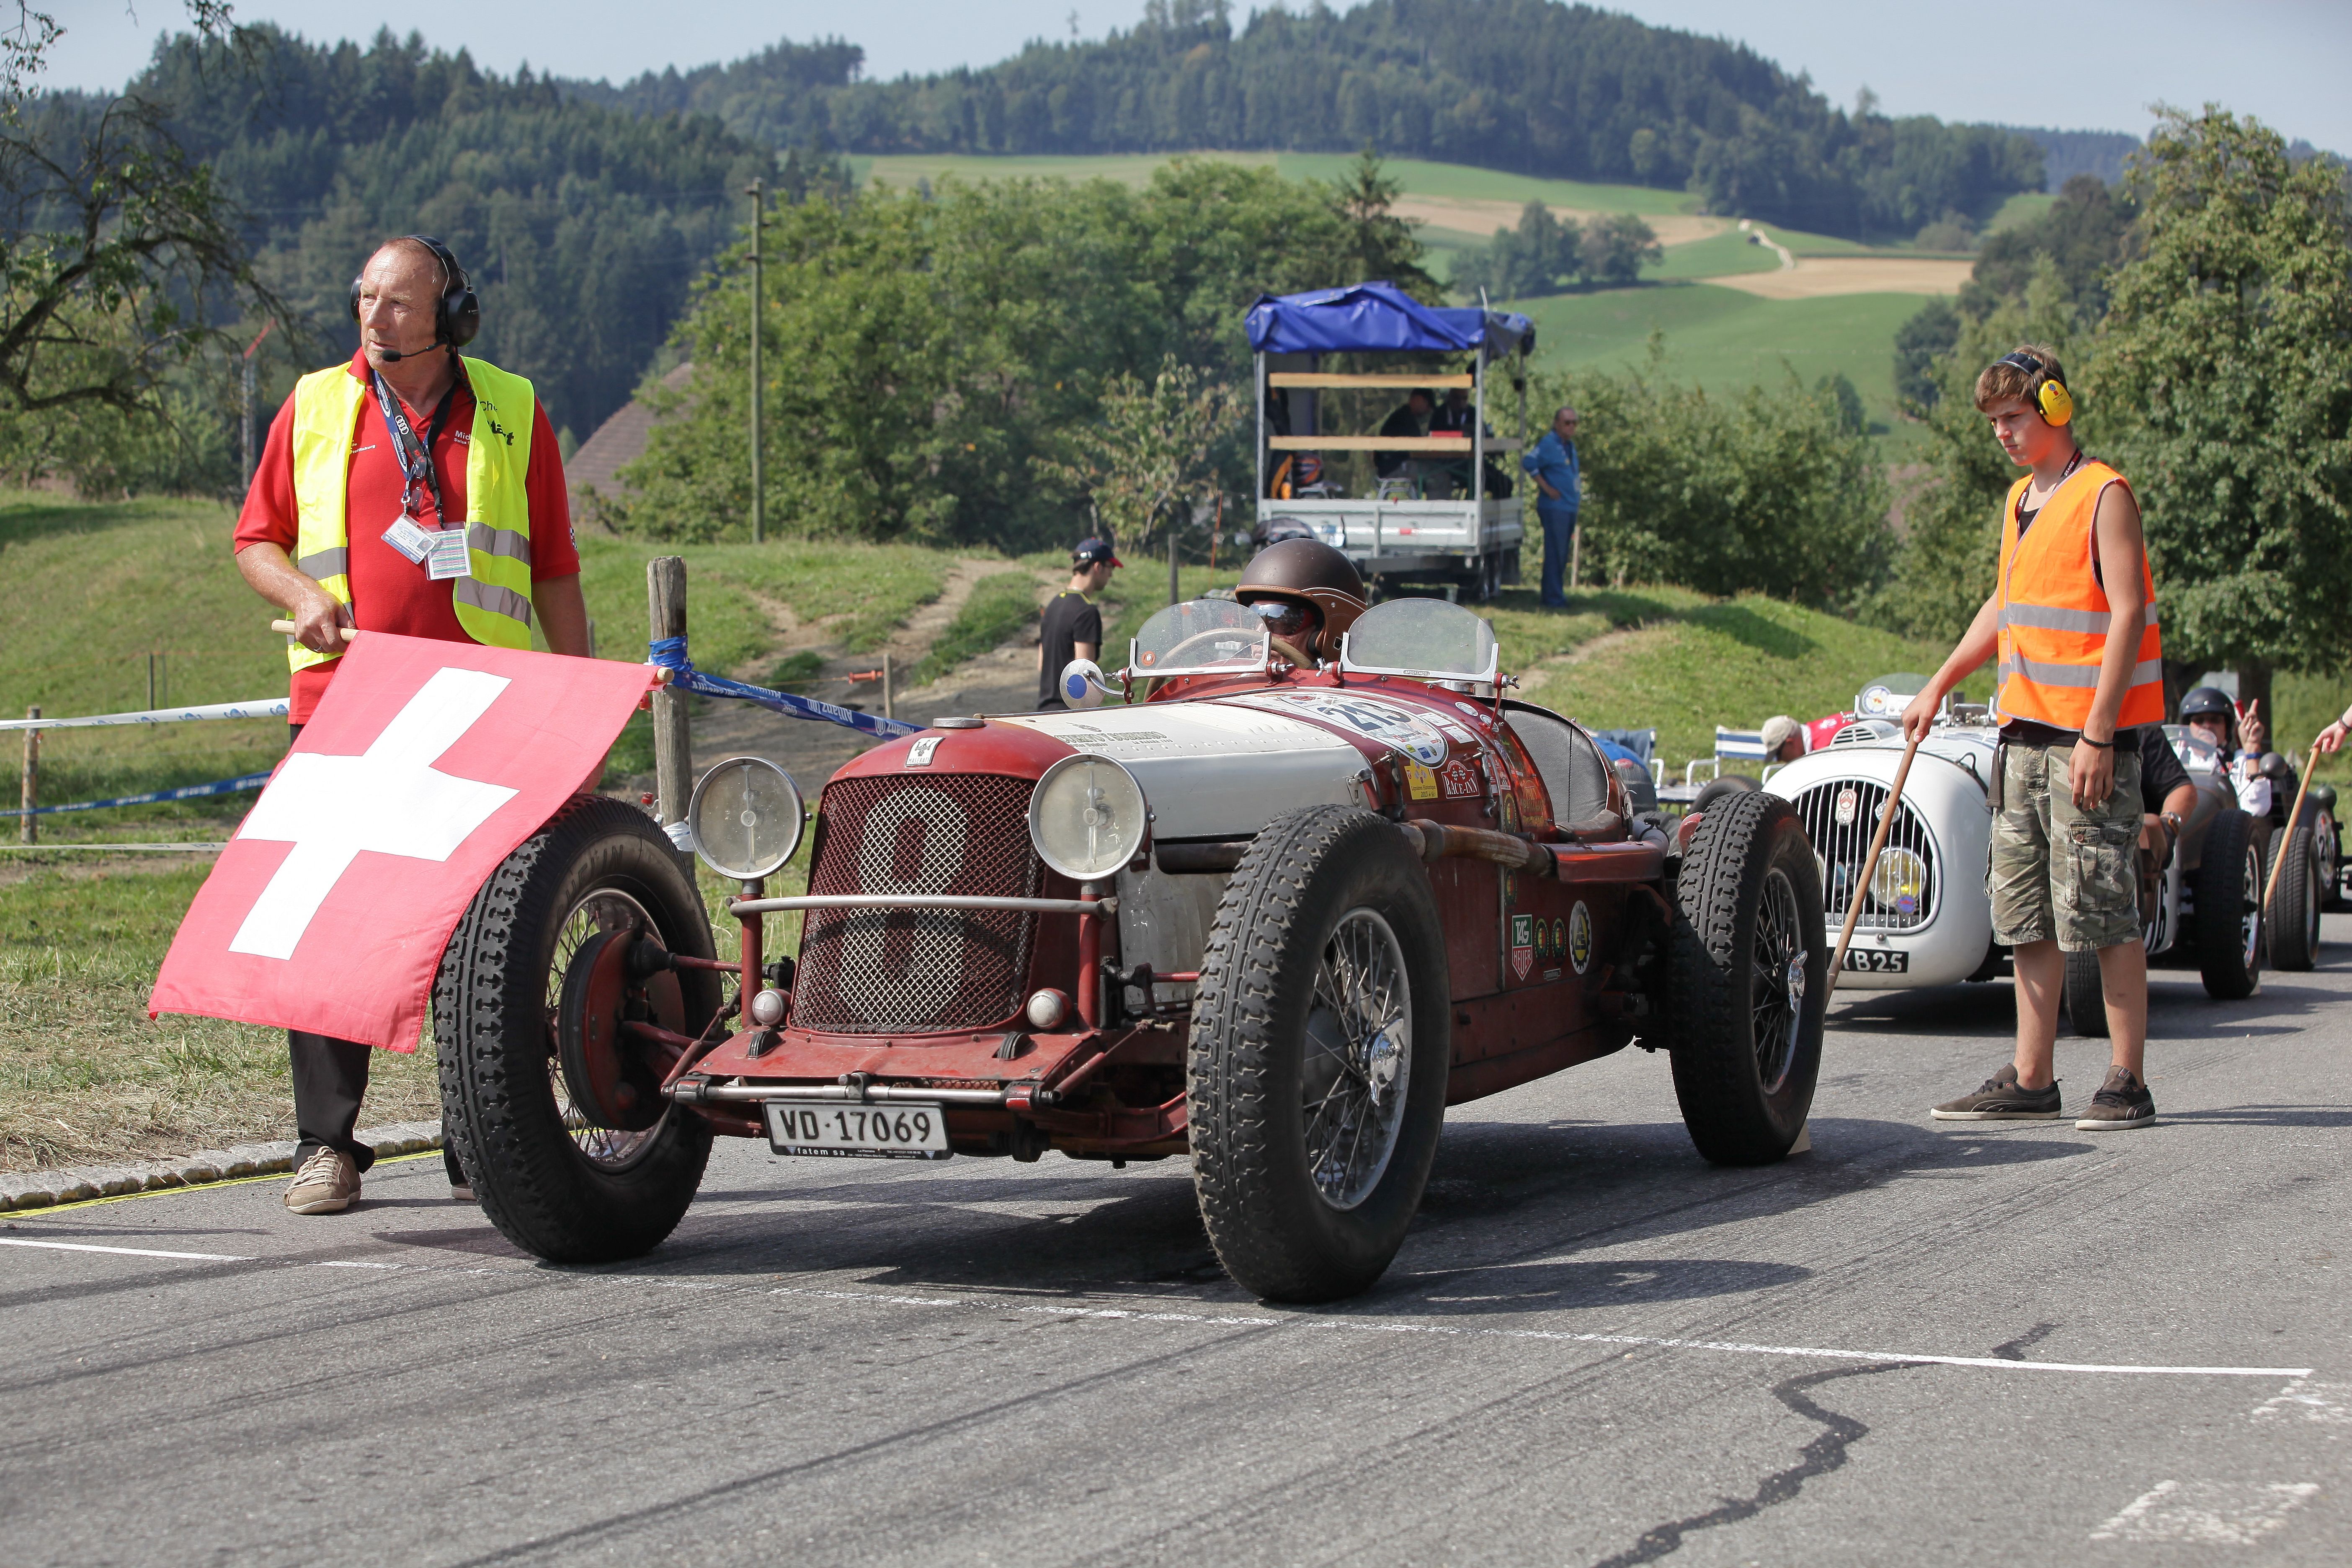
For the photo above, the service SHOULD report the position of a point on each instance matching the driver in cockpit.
(1308, 593)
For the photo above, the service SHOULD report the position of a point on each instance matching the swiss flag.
(424, 765)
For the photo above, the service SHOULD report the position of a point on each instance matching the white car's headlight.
(1087, 817)
(1900, 883)
(746, 817)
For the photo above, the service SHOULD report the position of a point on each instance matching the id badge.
(408, 538)
(446, 554)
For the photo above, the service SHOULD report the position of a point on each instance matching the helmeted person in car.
(2072, 620)
(414, 491)
(1308, 593)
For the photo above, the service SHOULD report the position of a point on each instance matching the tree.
(1154, 448)
(1616, 248)
(2226, 358)
(1542, 256)
(1382, 244)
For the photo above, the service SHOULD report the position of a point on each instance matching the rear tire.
(1748, 981)
(2294, 914)
(553, 1185)
(1313, 1123)
(2086, 996)
(2229, 907)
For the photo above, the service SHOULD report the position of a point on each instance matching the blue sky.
(2094, 65)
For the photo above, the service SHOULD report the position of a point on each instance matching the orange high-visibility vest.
(2053, 615)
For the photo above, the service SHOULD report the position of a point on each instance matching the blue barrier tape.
(186, 791)
(670, 653)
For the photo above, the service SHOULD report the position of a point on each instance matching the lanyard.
(415, 461)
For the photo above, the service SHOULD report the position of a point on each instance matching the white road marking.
(2208, 1514)
(2323, 1403)
(126, 1251)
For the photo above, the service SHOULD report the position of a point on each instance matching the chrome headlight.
(1087, 817)
(1900, 883)
(746, 817)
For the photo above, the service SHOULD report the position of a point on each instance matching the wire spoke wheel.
(608, 910)
(1359, 1059)
(1777, 987)
(2250, 917)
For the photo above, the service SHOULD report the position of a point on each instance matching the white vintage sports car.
(1926, 918)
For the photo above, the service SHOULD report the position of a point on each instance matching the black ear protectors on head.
(458, 314)
(2057, 405)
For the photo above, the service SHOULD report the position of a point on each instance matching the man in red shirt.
(383, 538)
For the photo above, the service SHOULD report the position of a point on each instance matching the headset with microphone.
(2056, 403)
(456, 314)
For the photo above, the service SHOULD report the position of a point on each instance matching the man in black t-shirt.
(1071, 627)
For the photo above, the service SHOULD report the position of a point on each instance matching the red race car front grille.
(872, 971)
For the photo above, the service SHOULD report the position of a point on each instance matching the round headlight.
(1046, 1009)
(746, 817)
(1086, 817)
(1900, 883)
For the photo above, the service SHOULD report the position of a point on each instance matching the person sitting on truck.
(1407, 424)
(1456, 417)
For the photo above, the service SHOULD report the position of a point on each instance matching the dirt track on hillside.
(1465, 215)
(1818, 277)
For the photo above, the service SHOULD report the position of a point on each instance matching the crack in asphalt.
(1826, 1453)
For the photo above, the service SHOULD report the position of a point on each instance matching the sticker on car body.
(1523, 944)
(1420, 782)
(1392, 723)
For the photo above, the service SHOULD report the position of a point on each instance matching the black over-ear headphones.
(458, 314)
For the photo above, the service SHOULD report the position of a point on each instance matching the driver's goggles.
(1283, 618)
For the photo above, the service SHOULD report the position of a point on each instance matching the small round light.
(1087, 817)
(1900, 883)
(768, 1007)
(1046, 1009)
(746, 817)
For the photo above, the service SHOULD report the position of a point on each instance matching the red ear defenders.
(457, 315)
(2057, 405)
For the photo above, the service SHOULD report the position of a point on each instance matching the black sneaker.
(2002, 1101)
(2122, 1102)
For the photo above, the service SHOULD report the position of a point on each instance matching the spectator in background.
(1454, 417)
(1407, 423)
(1071, 627)
(1559, 492)
(1785, 740)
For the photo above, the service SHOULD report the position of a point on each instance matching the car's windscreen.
(1430, 638)
(1200, 636)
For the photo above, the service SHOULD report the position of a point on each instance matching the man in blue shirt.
(1558, 494)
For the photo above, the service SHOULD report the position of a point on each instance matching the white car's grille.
(1839, 817)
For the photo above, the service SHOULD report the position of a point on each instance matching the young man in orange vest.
(2072, 620)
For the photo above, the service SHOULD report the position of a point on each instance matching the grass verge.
(998, 608)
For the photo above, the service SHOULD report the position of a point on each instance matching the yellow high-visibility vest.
(493, 599)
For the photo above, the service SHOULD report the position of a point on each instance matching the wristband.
(2103, 745)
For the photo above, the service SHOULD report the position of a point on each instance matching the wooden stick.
(2310, 766)
(1870, 867)
(288, 628)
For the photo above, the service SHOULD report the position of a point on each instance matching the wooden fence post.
(673, 743)
(28, 829)
(886, 711)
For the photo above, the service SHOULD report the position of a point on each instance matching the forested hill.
(1527, 85)
(584, 227)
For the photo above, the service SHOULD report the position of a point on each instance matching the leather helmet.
(1309, 572)
(2207, 699)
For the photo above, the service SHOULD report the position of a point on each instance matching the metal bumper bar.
(922, 902)
(693, 1093)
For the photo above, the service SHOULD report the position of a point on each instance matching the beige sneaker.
(326, 1184)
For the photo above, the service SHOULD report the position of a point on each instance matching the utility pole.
(757, 193)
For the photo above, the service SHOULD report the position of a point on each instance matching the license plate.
(1878, 959)
(895, 1132)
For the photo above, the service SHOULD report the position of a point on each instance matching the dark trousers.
(330, 1080)
(1559, 538)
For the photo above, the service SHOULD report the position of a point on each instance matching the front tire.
(2086, 996)
(2295, 912)
(2229, 907)
(1316, 1072)
(554, 1183)
(1747, 982)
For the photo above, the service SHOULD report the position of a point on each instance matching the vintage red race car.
(1273, 914)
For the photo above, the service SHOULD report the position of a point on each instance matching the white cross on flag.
(425, 764)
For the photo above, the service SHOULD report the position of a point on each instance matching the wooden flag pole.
(1870, 866)
(288, 628)
(2270, 889)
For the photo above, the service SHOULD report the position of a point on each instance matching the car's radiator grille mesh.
(1839, 817)
(868, 972)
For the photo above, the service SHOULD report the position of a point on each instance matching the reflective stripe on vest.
(493, 599)
(2052, 616)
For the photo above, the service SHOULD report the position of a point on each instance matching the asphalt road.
(1594, 1349)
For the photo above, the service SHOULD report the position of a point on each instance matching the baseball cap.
(1778, 731)
(1093, 551)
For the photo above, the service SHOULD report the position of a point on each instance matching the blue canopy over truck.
(1437, 523)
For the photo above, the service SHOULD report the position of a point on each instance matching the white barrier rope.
(261, 708)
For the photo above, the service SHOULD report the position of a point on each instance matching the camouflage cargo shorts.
(2060, 871)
